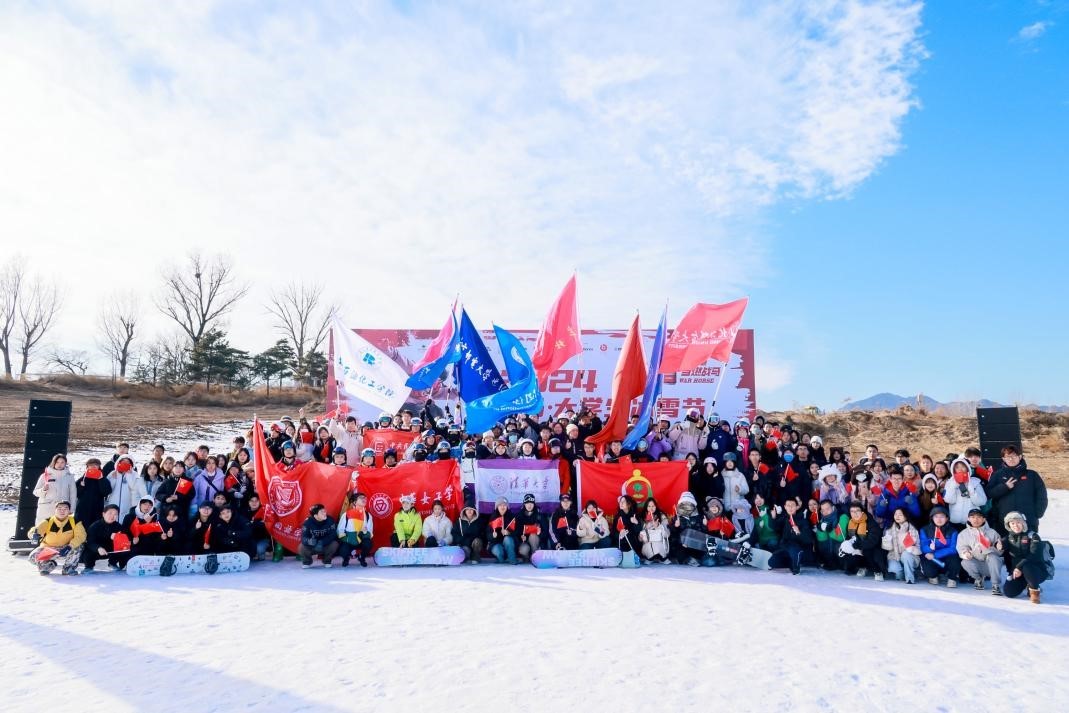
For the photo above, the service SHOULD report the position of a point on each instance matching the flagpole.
(579, 325)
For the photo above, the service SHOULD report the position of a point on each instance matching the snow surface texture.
(500, 638)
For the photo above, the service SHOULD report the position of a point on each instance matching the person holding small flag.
(795, 539)
(593, 528)
(980, 549)
(939, 548)
(501, 532)
(105, 539)
(563, 524)
(655, 533)
(902, 543)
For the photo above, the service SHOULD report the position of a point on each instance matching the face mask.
(788, 457)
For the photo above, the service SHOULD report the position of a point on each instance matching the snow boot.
(46, 567)
(212, 565)
(167, 567)
(1033, 595)
(71, 570)
(363, 561)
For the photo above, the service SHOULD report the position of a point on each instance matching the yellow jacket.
(408, 526)
(61, 534)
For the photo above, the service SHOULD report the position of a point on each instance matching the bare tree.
(302, 319)
(38, 305)
(11, 279)
(71, 361)
(199, 292)
(118, 322)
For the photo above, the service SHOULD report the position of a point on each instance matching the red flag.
(983, 540)
(940, 536)
(789, 474)
(560, 338)
(184, 486)
(562, 523)
(707, 331)
(436, 349)
(287, 495)
(908, 540)
(628, 383)
(382, 439)
(605, 482)
(120, 542)
(425, 481)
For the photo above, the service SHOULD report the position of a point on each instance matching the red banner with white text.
(425, 481)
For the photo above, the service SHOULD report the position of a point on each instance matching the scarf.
(859, 527)
(356, 516)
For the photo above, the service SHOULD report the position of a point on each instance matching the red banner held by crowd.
(381, 440)
(605, 482)
(425, 481)
(288, 494)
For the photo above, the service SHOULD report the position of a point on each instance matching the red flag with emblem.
(560, 338)
(288, 494)
(605, 482)
(628, 383)
(425, 481)
(707, 331)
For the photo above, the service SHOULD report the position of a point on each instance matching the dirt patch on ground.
(1045, 436)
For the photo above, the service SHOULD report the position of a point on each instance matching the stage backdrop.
(586, 378)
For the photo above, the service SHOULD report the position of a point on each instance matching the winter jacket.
(591, 531)
(785, 526)
(55, 486)
(764, 532)
(316, 533)
(100, 535)
(1028, 496)
(718, 443)
(197, 533)
(735, 488)
(233, 536)
(466, 531)
(889, 501)
(177, 542)
(92, 494)
(898, 539)
(562, 527)
(528, 523)
(146, 533)
(174, 486)
(939, 547)
(979, 541)
(835, 492)
(829, 534)
(655, 536)
(60, 534)
(688, 519)
(1024, 548)
(206, 485)
(686, 438)
(408, 526)
(497, 522)
(873, 537)
(761, 479)
(705, 485)
(353, 443)
(659, 445)
(323, 451)
(127, 489)
(960, 503)
(439, 527)
(626, 529)
(352, 528)
(794, 483)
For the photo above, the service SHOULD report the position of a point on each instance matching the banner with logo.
(425, 481)
(512, 479)
(587, 379)
(288, 494)
(383, 439)
(605, 482)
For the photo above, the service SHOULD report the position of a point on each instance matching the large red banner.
(605, 482)
(424, 481)
(586, 379)
(288, 494)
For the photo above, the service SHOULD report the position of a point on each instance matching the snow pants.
(1032, 575)
(989, 566)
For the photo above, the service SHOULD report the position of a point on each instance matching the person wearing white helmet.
(1030, 558)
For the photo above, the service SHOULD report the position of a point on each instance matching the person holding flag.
(980, 549)
(564, 524)
(939, 548)
(902, 543)
(501, 531)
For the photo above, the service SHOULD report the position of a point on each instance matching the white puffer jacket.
(439, 527)
(54, 486)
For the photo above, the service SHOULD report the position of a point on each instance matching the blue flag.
(475, 372)
(654, 381)
(522, 395)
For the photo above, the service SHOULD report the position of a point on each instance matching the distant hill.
(889, 402)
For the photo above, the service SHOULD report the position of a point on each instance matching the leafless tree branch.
(300, 317)
(117, 324)
(38, 306)
(199, 292)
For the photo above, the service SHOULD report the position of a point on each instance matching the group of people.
(762, 485)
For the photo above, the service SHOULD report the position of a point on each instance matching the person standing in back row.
(1016, 488)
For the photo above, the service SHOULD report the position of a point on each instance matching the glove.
(964, 489)
(824, 526)
(64, 551)
(35, 539)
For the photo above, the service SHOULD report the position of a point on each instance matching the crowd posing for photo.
(765, 485)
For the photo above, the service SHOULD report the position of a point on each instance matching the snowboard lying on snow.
(163, 566)
(741, 554)
(551, 559)
(404, 556)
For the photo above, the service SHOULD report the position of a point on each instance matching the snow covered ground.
(498, 638)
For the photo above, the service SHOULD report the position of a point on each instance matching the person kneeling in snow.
(105, 538)
(437, 528)
(939, 543)
(500, 532)
(61, 533)
(829, 534)
(230, 533)
(529, 527)
(719, 525)
(355, 530)
(687, 518)
(980, 549)
(655, 533)
(407, 524)
(902, 542)
(593, 528)
(795, 539)
(319, 536)
(861, 550)
(563, 524)
(1028, 557)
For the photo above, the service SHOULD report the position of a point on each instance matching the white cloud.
(1034, 31)
(403, 156)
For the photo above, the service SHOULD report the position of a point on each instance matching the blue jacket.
(905, 498)
(930, 545)
(719, 443)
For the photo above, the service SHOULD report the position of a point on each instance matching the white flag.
(366, 373)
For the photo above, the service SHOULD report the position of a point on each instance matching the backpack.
(1048, 559)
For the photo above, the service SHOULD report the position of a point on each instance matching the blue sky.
(883, 178)
(944, 272)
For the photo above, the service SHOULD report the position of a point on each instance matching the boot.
(276, 553)
(1033, 595)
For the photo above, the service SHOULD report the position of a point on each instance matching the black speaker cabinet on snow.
(47, 428)
(998, 427)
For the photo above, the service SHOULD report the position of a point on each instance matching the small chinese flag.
(562, 523)
(908, 540)
(984, 541)
(184, 486)
(939, 536)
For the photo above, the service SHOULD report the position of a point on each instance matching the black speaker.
(47, 430)
(998, 427)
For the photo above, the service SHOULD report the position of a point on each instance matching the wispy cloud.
(1034, 31)
(403, 155)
